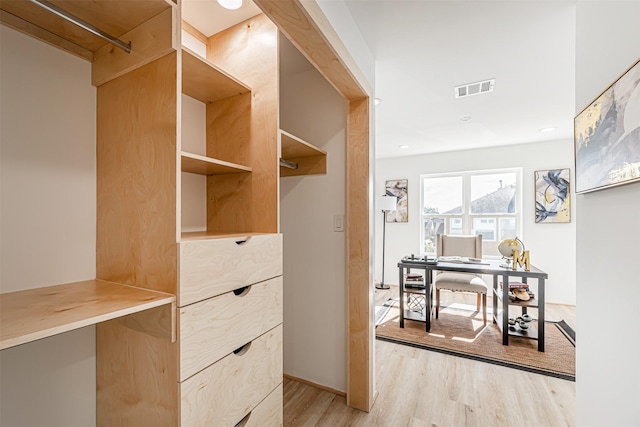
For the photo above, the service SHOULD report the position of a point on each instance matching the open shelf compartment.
(43, 312)
(202, 165)
(205, 82)
(309, 160)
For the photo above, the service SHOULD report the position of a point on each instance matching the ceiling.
(423, 49)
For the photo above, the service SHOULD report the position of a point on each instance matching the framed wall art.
(553, 195)
(398, 189)
(607, 136)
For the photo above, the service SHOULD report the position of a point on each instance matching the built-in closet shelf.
(205, 82)
(307, 158)
(116, 18)
(209, 235)
(40, 313)
(201, 165)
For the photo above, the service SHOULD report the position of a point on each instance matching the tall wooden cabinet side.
(243, 202)
(136, 374)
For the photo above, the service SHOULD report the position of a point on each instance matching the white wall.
(552, 246)
(314, 255)
(47, 226)
(607, 377)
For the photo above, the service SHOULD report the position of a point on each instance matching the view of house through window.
(472, 203)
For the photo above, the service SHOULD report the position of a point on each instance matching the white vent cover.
(476, 88)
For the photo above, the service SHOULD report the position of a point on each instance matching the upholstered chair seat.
(463, 246)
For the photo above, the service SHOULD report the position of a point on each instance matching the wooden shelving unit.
(205, 82)
(310, 160)
(40, 313)
(202, 165)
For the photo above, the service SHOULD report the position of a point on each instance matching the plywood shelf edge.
(310, 160)
(39, 313)
(202, 165)
(205, 82)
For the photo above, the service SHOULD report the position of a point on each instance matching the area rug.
(460, 332)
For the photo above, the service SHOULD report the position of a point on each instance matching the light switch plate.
(338, 223)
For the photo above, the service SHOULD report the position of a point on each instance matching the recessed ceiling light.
(403, 146)
(377, 101)
(465, 119)
(550, 129)
(230, 4)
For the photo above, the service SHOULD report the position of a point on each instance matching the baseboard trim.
(318, 386)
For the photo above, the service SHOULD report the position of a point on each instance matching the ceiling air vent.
(476, 88)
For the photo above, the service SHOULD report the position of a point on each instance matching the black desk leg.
(505, 310)
(540, 314)
(427, 298)
(494, 297)
(401, 292)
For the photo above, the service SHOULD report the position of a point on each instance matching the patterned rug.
(460, 332)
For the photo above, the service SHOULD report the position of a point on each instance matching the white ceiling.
(423, 49)
(210, 18)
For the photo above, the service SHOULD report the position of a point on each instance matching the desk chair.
(464, 246)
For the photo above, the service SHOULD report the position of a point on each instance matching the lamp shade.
(387, 203)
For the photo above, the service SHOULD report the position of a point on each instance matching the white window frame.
(466, 216)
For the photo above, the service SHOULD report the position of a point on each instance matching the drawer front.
(213, 328)
(268, 413)
(224, 393)
(213, 267)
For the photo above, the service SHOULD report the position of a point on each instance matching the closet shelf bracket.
(288, 164)
(82, 24)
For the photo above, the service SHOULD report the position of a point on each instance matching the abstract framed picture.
(553, 195)
(398, 189)
(607, 136)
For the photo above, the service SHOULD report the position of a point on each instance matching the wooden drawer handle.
(240, 292)
(243, 241)
(242, 349)
(243, 421)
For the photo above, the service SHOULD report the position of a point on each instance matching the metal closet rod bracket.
(288, 164)
(82, 24)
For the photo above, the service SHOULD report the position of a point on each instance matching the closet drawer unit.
(215, 266)
(267, 413)
(213, 328)
(224, 393)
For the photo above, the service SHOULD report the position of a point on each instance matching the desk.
(489, 267)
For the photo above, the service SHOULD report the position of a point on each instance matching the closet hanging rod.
(82, 24)
(288, 164)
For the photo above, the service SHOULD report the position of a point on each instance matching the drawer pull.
(243, 421)
(243, 241)
(242, 349)
(240, 292)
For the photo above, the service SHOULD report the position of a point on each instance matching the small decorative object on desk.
(462, 260)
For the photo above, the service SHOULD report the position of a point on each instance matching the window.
(472, 203)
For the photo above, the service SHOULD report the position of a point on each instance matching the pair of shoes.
(521, 294)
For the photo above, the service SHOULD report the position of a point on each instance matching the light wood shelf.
(310, 159)
(113, 17)
(209, 235)
(202, 165)
(205, 82)
(40, 313)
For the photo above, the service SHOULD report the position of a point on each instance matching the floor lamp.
(385, 204)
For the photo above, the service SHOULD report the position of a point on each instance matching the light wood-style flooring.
(423, 388)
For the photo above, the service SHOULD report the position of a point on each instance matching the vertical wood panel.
(307, 28)
(137, 378)
(245, 202)
(360, 390)
(136, 177)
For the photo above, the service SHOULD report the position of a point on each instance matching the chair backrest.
(466, 246)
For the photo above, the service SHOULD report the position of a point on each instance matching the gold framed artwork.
(607, 136)
(553, 195)
(398, 188)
